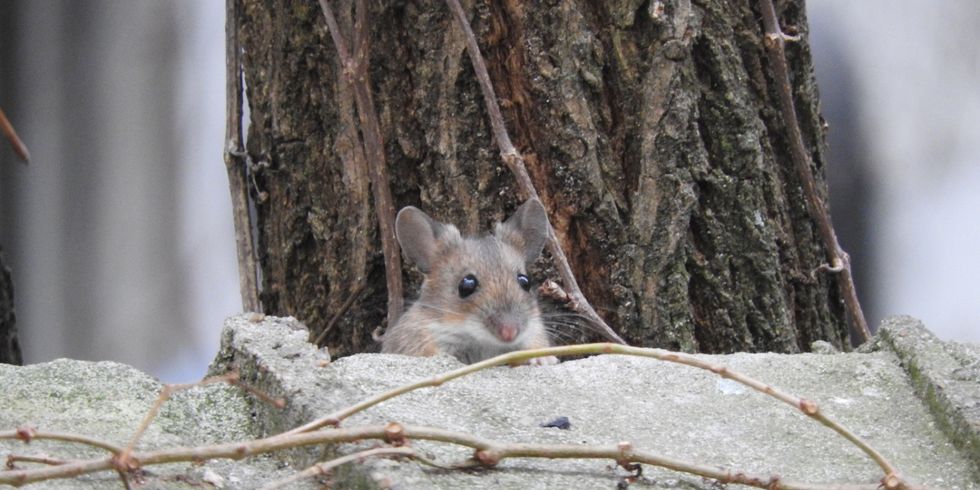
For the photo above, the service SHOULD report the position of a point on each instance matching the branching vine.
(515, 162)
(487, 452)
(355, 74)
(840, 261)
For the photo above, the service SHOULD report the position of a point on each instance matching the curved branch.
(327, 466)
(64, 437)
(515, 162)
(488, 452)
(808, 407)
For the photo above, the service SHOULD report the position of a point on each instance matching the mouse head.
(477, 287)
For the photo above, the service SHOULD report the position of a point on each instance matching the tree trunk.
(650, 130)
(9, 347)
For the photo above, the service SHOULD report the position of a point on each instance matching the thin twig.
(809, 408)
(327, 466)
(235, 163)
(123, 479)
(123, 459)
(355, 71)
(12, 459)
(15, 142)
(515, 162)
(261, 395)
(775, 41)
(61, 436)
(488, 452)
(354, 294)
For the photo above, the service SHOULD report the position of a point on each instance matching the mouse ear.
(526, 230)
(419, 236)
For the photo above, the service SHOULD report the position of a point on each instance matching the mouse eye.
(524, 282)
(467, 285)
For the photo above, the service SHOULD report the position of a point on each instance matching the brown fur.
(442, 321)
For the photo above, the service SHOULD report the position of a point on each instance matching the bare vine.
(840, 261)
(354, 67)
(325, 467)
(515, 162)
(487, 452)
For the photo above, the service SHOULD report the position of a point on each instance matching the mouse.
(476, 300)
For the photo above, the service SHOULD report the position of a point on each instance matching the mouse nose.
(507, 332)
(504, 325)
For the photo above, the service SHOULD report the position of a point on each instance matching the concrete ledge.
(946, 376)
(673, 410)
(108, 400)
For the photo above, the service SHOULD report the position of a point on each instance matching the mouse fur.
(499, 315)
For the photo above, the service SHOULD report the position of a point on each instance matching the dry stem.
(60, 436)
(808, 407)
(327, 466)
(839, 260)
(235, 163)
(488, 452)
(355, 71)
(15, 142)
(354, 294)
(515, 162)
(165, 394)
(13, 459)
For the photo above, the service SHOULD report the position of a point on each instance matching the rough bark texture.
(9, 347)
(649, 129)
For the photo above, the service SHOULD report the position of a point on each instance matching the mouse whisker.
(571, 331)
(566, 330)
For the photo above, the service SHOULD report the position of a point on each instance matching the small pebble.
(559, 423)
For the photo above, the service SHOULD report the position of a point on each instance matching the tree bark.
(650, 130)
(9, 346)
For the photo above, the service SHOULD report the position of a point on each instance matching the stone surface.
(108, 400)
(946, 375)
(676, 411)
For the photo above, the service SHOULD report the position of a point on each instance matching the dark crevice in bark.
(9, 344)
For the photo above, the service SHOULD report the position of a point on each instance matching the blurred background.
(119, 232)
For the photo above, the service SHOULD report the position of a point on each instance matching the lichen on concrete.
(946, 375)
(107, 400)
